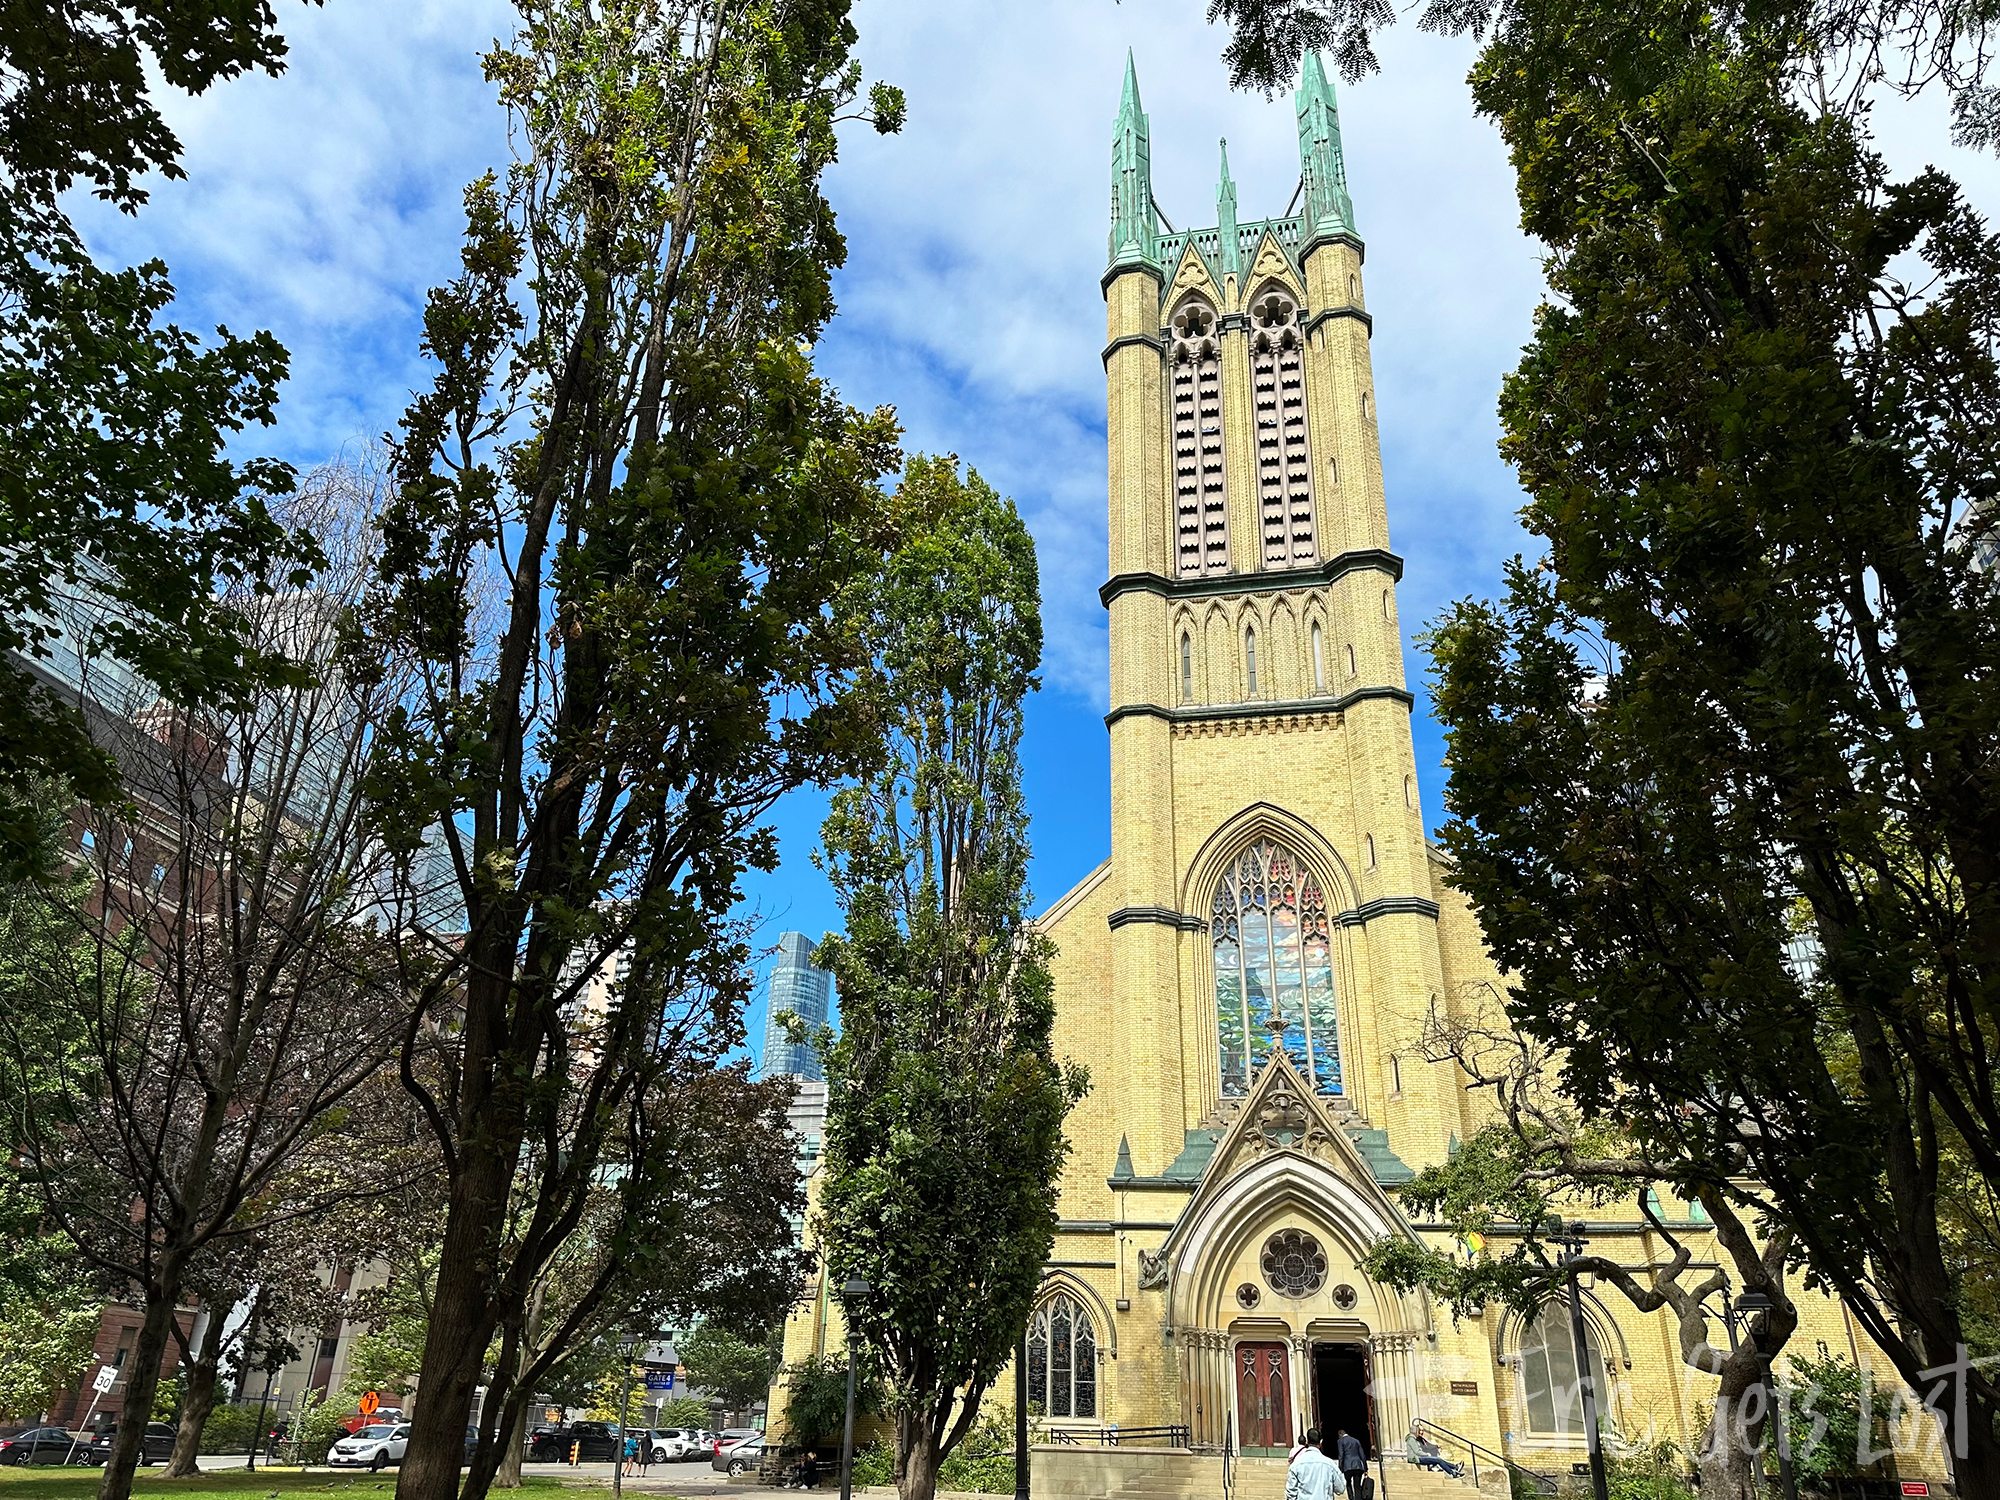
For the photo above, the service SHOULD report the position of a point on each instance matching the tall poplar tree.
(945, 1099)
(624, 508)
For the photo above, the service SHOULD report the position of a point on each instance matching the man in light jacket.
(1313, 1476)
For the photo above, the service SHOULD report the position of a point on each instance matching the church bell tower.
(1262, 770)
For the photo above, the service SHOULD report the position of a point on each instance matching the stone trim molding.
(1145, 339)
(1318, 318)
(1355, 916)
(1126, 268)
(1359, 559)
(1209, 713)
(1166, 916)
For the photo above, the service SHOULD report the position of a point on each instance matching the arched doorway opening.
(1342, 1395)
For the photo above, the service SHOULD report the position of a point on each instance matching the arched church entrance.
(1342, 1399)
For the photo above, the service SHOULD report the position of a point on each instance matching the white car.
(371, 1448)
(670, 1443)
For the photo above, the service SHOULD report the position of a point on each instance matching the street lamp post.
(625, 1347)
(1021, 1416)
(851, 1295)
(1751, 1303)
(1586, 1374)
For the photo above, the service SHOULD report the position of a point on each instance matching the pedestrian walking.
(1313, 1476)
(1351, 1457)
(631, 1456)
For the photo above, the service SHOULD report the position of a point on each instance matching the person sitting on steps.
(1424, 1454)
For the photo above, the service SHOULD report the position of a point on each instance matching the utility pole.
(1586, 1373)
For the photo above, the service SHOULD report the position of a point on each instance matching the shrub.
(230, 1429)
(875, 1464)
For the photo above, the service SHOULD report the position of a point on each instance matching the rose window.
(1294, 1263)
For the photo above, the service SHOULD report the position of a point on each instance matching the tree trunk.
(1725, 1458)
(515, 1438)
(514, 1434)
(462, 1317)
(200, 1399)
(917, 1458)
(141, 1385)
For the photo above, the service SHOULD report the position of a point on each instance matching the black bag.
(1363, 1487)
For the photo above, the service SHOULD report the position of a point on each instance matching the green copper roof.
(1388, 1168)
(1328, 209)
(1134, 234)
(1225, 220)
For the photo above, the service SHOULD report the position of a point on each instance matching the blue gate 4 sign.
(659, 1380)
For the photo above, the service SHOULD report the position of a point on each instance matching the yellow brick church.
(1248, 973)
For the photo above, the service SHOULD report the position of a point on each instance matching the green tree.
(816, 1400)
(123, 516)
(623, 509)
(1512, 1183)
(945, 1101)
(184, 1038)
(685, 1411)
(736, 1371)
(1723, 762)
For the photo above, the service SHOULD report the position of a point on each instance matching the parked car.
(156, 1447)
(717, 1441)
(665, 1444)
(471, 1442)
(37, 1445)
(374, 1447)
(741, 1456)
(597, 1441)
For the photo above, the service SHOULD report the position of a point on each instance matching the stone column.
(1396, 1386)
(1301, 1385)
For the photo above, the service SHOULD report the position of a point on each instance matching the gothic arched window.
(1273, 964)
(1187, 668)
(1201, 517)
(1550, 1392)
(1250, 662)
(1319, 662)
(1284, 472)
(1062, 1358)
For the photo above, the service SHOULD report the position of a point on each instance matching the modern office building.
(799, 989)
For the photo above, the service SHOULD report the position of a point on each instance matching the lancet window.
(1201, 515)
(1551, 1391)
(1062, 1358)
(1284, 469)
(1273, 969)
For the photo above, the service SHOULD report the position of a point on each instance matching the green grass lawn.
(47, 1482)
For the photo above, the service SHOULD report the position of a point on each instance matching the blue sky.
(323, 203)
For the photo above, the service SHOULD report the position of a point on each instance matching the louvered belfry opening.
(1200, 510)
(1284, 466)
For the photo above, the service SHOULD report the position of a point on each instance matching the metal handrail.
(1545, 1484)
(1111, 1437)
(1228, 1455)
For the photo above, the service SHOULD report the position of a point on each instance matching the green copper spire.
(1134, 235)
(1225, 219)
(1328, 209)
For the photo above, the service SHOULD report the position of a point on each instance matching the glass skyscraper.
(798, 987)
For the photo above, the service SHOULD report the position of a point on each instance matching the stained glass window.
(1273, 964)
(1551, 1391)
(1062, 1359)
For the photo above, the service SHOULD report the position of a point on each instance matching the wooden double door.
(1263, 1398)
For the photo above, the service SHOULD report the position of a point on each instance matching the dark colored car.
(38, 1445)
(156, 1447)
(471, 1442)
(597, 1440)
